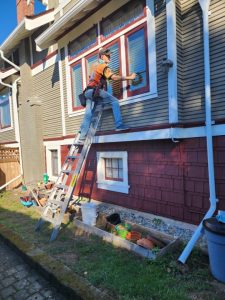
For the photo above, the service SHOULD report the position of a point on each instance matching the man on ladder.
(100, 72)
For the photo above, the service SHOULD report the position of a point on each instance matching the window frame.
(2, 128)
(126, 98)
(49, 148)
(103, 38)
(112, 185)
(71, 57)
(145, 89)
(79, 62)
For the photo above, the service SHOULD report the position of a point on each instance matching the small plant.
(157, 221)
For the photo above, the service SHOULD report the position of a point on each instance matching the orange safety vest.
(99, 73)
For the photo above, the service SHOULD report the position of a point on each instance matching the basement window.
(112, 171)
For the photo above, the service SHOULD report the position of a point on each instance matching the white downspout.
(186, 252)
(8, 61)
(14, 94)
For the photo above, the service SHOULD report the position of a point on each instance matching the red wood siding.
(165, 178)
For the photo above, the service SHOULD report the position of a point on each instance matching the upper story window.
(77, 83)
(83, 42)
(129, 33)
(122, 17)
(5, 118)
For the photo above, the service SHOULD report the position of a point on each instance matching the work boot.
(122, 127)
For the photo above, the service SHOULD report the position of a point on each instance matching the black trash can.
(215, 232)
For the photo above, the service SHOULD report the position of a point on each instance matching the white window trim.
(111, 185)
(49, 148)
(150, 19)
(11, 119)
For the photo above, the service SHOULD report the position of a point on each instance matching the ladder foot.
(54, 233)
(39, 224)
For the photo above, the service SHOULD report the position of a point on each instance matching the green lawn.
(123, 274)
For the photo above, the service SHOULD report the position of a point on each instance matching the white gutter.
(172, 56)
(42, 40)
(186, 252)
(8, 61)
(11, 181)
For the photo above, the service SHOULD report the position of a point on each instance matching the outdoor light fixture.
(166, 65)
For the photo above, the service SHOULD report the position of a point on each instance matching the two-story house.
(165, 163)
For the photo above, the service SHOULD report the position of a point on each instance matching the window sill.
(6, 129)
(122, 102)
(114, 187)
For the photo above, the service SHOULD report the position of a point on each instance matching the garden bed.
(163, 243)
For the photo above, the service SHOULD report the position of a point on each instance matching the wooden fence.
(9, 167)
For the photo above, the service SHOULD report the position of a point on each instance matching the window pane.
(108, 162)
(89, 62)
(125, 15)
(77, 83)
(114, 87)
(54, 157)
(137, 60)
(108, 172)
(120, 163)
(120, 174)
(115, 163)
(115, 173)
(83, 42)
(4, 111)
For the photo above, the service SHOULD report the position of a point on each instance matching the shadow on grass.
(123, 274)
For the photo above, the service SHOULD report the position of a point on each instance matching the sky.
(8, 18)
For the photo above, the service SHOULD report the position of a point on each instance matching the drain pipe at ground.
(186, 252)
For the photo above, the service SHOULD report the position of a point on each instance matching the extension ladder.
(62, 192)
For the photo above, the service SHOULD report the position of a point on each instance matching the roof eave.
(49, 36)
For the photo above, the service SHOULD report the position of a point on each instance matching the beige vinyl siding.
(217, 57)
(7, 136)
(46, 87)
(179, 59)
(192, 71)
(139, 114)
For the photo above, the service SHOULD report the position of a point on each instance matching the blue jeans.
(107, 99)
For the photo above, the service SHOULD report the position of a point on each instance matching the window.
(136, 44)
(5, 118)
(54, 162)
(112, 171)
(53, 159)
(133, 50)
(122, 17)
(83, 42)
(77, 84)
(115, 87)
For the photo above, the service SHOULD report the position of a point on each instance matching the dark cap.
(104, 51)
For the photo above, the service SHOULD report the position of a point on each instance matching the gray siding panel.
(217, 57)
(46, 87)
(139, 114)
(191, 62)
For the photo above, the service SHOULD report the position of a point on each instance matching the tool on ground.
(62, 192)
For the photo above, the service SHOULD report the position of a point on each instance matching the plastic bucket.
(89, 213)
(215, 233)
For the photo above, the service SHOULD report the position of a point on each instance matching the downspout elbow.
(8, 61)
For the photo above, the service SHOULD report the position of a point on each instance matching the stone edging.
(70, 283)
